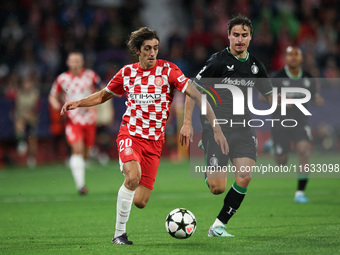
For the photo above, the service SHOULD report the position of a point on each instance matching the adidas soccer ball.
(180, 223)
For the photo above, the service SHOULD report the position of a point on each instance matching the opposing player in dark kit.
(232, 65)
(292, 75)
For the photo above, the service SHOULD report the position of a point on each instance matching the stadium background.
(36, 36)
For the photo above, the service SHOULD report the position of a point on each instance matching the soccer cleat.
(122, 239)
(218, 231)
(301, 198)
(83, 191)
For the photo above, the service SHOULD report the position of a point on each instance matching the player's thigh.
(130, 156)
(74, 136)
(132, 173)
(215, 159)
(150, 162)
(243, 144)
(216, 163)
(141, 196)
(89, 134)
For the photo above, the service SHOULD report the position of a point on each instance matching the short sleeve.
(209, 70)
(116, 85)
(177, 78)
(56, 87)
(96, 80)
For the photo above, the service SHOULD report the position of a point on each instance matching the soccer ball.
(180, 223)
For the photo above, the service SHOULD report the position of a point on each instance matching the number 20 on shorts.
(124, 144)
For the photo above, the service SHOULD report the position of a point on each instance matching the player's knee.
(216, 189)
(132, 182)
(140, 203)
(281, 160)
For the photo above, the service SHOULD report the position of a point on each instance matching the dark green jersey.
(283, 79)
(225, 68)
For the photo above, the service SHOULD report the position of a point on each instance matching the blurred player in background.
(80, 127)
(292, 75)
(26, 119)
(150, 85)
(234, 62)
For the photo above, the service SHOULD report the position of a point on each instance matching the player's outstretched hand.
(68, 106)
(186, 134)
(221, 141)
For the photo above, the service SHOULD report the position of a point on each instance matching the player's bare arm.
(219, 137)
(54, 102)
(92, 100)
(187, 131)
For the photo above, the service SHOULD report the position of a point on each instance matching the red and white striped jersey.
(149, 96)
(75, 88)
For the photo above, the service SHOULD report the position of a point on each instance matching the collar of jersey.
(78, 75)
(289, 74)
(239, 59)
(145, 70)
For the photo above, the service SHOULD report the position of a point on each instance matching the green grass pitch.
(41, 213)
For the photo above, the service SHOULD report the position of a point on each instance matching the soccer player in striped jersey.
(80, 127)
(149, 85)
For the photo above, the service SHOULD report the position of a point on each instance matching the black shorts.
(242, 144)
(282, 137)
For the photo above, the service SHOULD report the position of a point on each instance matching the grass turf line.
(41, 213)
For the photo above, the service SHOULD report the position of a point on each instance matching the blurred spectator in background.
(80, 128)
(26, 116)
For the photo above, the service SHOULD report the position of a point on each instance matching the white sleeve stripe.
(107, 89)
(267, 93)
(185, 86)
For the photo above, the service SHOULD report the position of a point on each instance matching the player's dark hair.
(240, 20)
(137, 38)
